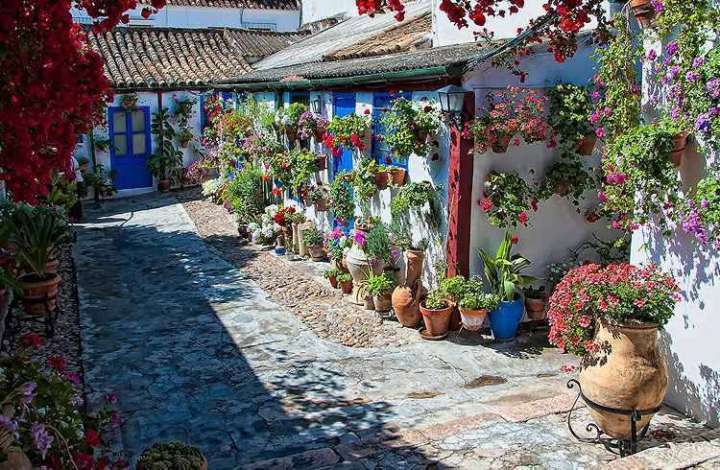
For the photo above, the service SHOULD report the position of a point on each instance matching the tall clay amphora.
(628, 372)
(359, 266)
(414, 260)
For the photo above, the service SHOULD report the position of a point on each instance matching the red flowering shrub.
(618, 293)
(281, 217)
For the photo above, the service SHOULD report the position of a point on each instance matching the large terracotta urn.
(628, 372)
(406, 304)
(359, 266)
(414, 266)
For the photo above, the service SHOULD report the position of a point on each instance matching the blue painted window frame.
(380, 151)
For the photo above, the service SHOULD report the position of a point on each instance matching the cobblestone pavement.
(197, 351)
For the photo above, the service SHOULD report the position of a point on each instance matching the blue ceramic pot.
(280, 251)
(504, 321)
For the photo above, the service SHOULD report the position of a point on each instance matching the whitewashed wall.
(316, 10)
(689, 341)
(556, 227)
(201, 17)
(445, 32)
(151, 101)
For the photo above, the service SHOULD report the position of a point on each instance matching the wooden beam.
(460, 178)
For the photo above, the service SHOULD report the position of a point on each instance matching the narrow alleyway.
(198, 352)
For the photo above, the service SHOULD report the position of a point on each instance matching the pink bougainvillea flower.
(359, 238)
(600, 133)
(523, 218)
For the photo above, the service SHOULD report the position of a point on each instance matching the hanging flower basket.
(501, 144)
(644, 12)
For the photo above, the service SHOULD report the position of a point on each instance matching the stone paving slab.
(196, 351)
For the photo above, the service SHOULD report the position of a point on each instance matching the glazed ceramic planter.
(628, 372)
(505, 320)
(472, 320)
(644, 12)
(39, 294)
(280, 250)
(586, 145)
(535, 308)
(437, 322)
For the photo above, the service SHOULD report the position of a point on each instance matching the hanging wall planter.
(501, 145)
(644, 12)
(679, 148)
(382, 178)
(398, 176)
(586, 146)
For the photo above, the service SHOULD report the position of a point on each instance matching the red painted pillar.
(460, 178)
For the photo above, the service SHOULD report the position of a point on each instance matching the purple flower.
(594, 117)
(602, 197)
(607, 112)
(600, 133)
(28, 392)
(595, 95)
(698, 62)
(41, 438)
(675, 113)
(704, 203)
(672, 48)
(673, 72)
(692, 224)
(73, 378)
(702, 123)
(359, 238)
(8, 424)
(651, 55)
(658, 5)
(713, 87)
(692, 76)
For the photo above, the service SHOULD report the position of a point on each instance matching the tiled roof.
(408, 36)
(170, 58)
(345, 34)
(448, 57)
(253, 4)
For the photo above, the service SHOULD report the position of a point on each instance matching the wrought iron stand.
(621, 447)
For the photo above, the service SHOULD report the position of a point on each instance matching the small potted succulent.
(313, 239)
(436, 311)
(346, 283)
(535, 302)
(331, 275)
(380, 286)
(172, 456)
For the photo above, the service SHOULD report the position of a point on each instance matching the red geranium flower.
(92, 438)
(33, 340)
(523, 218)
(486, 204)
(58, 363)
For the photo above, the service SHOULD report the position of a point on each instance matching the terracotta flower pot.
(321, 162)
(415, 259)
(501, 145)
(52, 266)
(586, 145)
(316, 252)
(347, 287)
(321, 205)
(164, 185)
(333, 282)
(644, 12)
(628, 372)
(39, 294)
(382, 178)
(398, 176)
(535, 308)
(383, 303)
(437, 322)
(679, 147)
(562, 188)
(406, 304)
(472, 320)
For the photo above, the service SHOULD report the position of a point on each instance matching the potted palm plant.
(37, 233)
(502, 272)
(172, 456)
(380, 286)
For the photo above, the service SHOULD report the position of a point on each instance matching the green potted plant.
(184, 137)
(409, 128)
(364, 186)
(380, 287)
(318, 196)
(37, 233)
(348, 131)
(172, 456)
(313, 239)
(382, 175)
(570, 107)
(436, 311)
(101, 181)
(331, 275)
(377, 246)
(535, 302)
(507, 198)
(167, 159)
(475, 304)
(341, 197)
(566, 177)
(346, 283)
(502, 272)
(303, 165)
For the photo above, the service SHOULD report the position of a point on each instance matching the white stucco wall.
(556, 227)
(688, 342)
(316, 10)
(151, 101)
(202, 17)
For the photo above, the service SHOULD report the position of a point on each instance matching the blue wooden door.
(380, 151)
(343, 104)
(130, 147)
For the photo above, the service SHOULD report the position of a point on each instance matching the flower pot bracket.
(621, 447)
